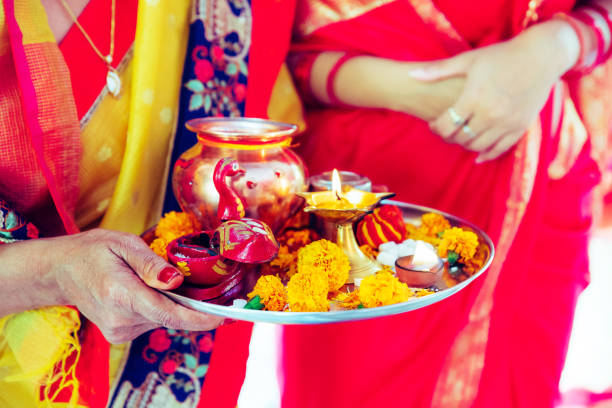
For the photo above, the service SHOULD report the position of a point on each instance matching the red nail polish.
(167, 274)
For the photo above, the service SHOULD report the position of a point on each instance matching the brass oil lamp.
(343, 206)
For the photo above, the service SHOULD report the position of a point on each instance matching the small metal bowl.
(419, 278)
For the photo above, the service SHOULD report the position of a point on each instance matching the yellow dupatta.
(33, 342)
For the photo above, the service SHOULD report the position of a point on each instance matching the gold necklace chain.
(108, 59)
(113, 81)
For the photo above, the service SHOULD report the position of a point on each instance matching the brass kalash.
(343, 206)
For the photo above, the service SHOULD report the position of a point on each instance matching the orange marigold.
(463, 242)
(348, 300)
(326, 257)
(307, 292)
(271, 291)
(174, 225)
(295, 239)
(415, 233)
(474, 264)
(432, 224)
(159, 247)
(285, 261)
(383, 289)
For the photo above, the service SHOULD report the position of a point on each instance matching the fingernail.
(167, 274)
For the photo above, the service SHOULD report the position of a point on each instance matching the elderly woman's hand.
(108, 275)
(506, 86)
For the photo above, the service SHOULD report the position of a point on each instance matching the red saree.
(502, 341)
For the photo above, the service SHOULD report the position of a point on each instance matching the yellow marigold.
(463, 242)
(285, 261)
(308, 292)
(183, 268)
(420, 292)
(159, 247)
(326, 257)
(174, 225)
(474, 264)
(432, 224)
(415, 233)
(271, 291)
(383, 289)
(348, 300)
(295, 239)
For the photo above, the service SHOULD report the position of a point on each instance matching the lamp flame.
(336, 184)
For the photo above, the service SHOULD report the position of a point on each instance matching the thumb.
(150, 267)
(444, 68)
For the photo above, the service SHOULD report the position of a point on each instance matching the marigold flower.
(159, 247)
(271, 291)
(474, 264)
(432, 224)
(461, 241)
(415, 233)
(174, 225)
(183, 268)
(348, 300)
(285, 261)
(383, 289)
(308, 292)
(326, 257)
(295, 239)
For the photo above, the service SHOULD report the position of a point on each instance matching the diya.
(421, 270)
(343, 206)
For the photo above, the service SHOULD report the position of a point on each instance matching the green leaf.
(195, 86)
(360, 306)
(201, 370)
(452, 257)
(207, 103)
(254, 303)
(440, 234)
(195, 102)
(190, 361)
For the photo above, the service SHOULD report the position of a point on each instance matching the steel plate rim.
(340, 316)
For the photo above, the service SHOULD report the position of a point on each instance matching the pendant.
(113, 83)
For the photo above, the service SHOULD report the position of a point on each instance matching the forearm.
(374, 82)
(25, 282)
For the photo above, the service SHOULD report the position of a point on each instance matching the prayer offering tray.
(222, 306)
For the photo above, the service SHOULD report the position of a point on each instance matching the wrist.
(558, 44)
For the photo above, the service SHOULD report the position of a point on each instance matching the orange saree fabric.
(477, 348)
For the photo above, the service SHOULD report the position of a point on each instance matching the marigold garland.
(272, 292)
(326, 257)
(383, 289)
(461, 241)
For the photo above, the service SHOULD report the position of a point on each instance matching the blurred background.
(587, 378)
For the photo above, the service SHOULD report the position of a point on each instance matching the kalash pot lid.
(245, 240)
